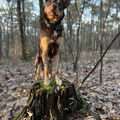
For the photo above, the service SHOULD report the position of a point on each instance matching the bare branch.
(99, 60)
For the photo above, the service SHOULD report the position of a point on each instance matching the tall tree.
(80, 13)
(41, 9)
(102, 27)
(8, 41)
(0, 42)
(24, 55)
(12, 34)
(101, 47)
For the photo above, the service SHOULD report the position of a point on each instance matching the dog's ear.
(66, 3)
(46, 0)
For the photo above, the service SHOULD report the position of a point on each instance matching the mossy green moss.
(66, 82)
(19, 116)
(63, 80)
(84, 105)
(51, 86)
(41, 97)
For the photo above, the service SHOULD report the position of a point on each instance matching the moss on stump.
(52, 102)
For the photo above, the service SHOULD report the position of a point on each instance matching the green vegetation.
(84, 105)
(51, 86)
(39, 92)
(21, 114)
(111, 61)
(96, 97)
(25, 58)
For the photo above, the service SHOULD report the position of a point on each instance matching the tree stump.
(51, 102)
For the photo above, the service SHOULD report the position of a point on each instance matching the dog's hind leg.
(50, 68)
(38, 68)
(42, 70)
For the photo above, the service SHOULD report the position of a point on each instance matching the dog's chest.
(53, 49)
(54, 35)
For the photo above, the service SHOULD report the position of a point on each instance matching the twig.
(99, 60)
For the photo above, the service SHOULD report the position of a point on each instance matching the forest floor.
(16, 78)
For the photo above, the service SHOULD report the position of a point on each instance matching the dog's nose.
(54, 5)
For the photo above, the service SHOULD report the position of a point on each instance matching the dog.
(51, 40)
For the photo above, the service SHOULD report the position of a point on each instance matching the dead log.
(52, 102)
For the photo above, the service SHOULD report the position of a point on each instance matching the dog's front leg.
(45, 43)
(45, 63)
(58, 81)
(57, 58)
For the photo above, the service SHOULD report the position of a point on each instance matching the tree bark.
(24, 55)
(52, 102)
(101, 41)
(12, 35)
(0, 42)
(24, 21)
(80, 33)
(41, 9)
(7, 49)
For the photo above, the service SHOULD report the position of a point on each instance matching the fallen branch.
(99, 60)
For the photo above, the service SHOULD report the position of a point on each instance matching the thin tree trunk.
(97, 44)
(80, 30)
(89, 38)
(76, 59)
(7, 49)
(23, 21)
(119, 37)
(12, 36)
(101, 26)
(24, 55)
(0, 42)
(41, 9)
(65, 53)
(35, 41)
(93, 39)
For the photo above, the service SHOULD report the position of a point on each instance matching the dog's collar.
(54, 27)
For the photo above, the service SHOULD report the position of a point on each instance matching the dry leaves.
(17, 77)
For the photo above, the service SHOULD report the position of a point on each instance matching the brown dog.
(50, 40)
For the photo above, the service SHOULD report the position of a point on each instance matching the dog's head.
(54, 10)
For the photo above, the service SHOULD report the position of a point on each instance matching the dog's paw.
(46, 82)
(50, 76)
(36, 77)
(58, 81)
